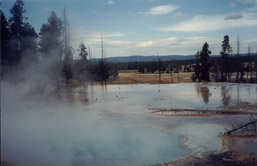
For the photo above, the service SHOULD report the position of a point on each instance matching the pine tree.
(29, 43)
(50, 47)
(4, 40)
(16, 23)
(204, 63)
(82, 66)
(225, 65)
(50, 44)
(83, 51)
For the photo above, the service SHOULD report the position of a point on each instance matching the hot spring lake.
(113, 125)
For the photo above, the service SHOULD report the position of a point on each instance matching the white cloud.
(145, 44)
(110, 2)
(232, 5)
(157, 43)
(203, 23)
(180, 15)
(117, 44)
(234, 16)
(109, 35)
(177, 46)
(160, 10)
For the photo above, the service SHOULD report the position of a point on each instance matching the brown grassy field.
(133, 77)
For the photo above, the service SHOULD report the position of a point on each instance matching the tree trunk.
(237, 74)
(251, 73)
(159, 75)
(171, 77)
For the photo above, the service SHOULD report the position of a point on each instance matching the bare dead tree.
(237, 54)
(252, 123)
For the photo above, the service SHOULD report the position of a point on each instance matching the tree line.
(22, 46)
(227, 67)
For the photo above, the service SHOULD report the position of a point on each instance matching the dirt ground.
(133, 77)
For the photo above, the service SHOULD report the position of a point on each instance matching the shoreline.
(238, 149)
(224, 157)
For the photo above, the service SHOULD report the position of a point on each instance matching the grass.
(133, 77)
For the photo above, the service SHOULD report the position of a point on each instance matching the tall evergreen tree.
(204, 63)
(23, 38)
(50, 47)
(83, 51)
(16, 23)
(4, 40)
(29, 43)
(82, 66)
(225, 66)
(50, 43)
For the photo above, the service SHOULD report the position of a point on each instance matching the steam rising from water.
(113, 128)
(39, 130)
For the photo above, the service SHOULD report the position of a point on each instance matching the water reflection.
(205, 96)
(72, 95)
(225, 94)
(204, 91)
(92, 94)
(238, 93)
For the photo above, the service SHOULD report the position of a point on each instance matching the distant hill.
(140, 58)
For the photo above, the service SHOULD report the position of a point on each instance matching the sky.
(148, 27)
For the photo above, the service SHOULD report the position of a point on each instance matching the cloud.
(234, 16)
(110, 2)
(176, 46)
(180, 15)
(87, 34)
(114, 43)
(203, 23)
(160, 10)
(157, 43)
(145, 44)
(232, 5)
(109, 35)
(117, 42)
